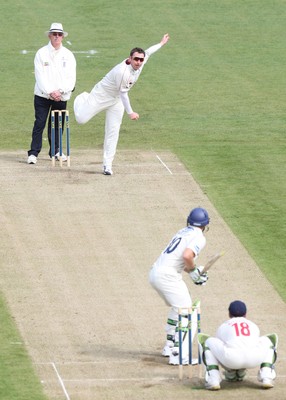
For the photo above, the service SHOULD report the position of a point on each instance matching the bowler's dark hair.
(137, 50)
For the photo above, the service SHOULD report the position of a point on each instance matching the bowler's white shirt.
(118, 81)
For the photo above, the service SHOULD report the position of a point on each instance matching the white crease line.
(61, 381)
(148, 379)
(158, 379)
(168, 169)
(90, 362)
(110, 360)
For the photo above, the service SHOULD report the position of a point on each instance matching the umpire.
(55, 74)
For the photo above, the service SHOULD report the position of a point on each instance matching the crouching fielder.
(237, 347)
(166, 275)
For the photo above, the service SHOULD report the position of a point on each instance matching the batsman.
(166, 275)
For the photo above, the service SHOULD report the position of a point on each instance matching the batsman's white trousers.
(239, 357)
(87, 105)
(172, 289)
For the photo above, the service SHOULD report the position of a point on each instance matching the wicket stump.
(194, 311)
(58, 114)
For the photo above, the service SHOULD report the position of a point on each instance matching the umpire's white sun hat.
(56, 27)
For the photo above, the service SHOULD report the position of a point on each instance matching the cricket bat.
(213, 259)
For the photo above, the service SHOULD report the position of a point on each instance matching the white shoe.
(167, 351)
(168, 348)
(266, 376)
(174, 360)
(212, 380)
(32, 159)
(212, 385)
(107, 171)
(267, 383)
(64, 157)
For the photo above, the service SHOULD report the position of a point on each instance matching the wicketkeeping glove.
(197, 277)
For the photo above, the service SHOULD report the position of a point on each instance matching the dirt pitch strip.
(76, 248)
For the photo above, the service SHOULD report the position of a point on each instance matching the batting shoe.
(167, 350)
(64, 157)
(174, 360)
(107, 171)
(32, 159)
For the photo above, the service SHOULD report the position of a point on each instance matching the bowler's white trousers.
(87, 105)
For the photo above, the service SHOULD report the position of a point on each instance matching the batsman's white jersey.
(238, 345)
(166, 273)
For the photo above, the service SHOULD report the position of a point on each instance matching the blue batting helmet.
(198, 217)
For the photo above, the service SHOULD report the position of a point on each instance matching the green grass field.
(214, 95)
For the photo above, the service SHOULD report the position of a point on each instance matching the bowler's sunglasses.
(141, 59)
(57, 34)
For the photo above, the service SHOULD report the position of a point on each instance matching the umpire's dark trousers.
(43, 108)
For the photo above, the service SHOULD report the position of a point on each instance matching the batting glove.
(197, 277)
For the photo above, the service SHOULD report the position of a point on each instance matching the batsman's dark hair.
(137, 50)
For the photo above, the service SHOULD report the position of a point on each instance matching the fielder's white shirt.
(238, 332)
(54, 70)
(172, 257)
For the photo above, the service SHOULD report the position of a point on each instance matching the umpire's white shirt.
(54, 70)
